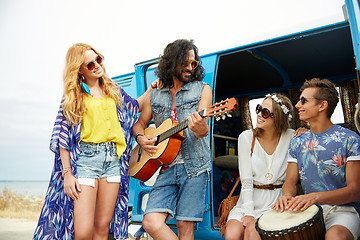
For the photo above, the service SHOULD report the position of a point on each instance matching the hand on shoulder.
(157, 84)
(300, 131)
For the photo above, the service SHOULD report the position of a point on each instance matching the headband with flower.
(284, 108)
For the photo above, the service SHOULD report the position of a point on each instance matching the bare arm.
(71, 184)
(289, 187)
(344, 195)
(197, 124)
(141, 100)
(147, 142)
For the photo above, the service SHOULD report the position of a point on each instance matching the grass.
(14, 205)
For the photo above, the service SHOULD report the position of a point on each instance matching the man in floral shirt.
(327, 161)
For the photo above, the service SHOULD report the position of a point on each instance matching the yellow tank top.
(101, 124)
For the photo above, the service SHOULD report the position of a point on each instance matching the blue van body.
(253, 70)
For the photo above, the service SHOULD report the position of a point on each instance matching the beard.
(179, 76)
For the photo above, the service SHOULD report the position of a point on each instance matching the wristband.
(138, 135)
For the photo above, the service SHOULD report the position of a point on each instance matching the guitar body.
(142, 166)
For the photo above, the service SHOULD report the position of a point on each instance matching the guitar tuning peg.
(218, 118)
(228, 115)
(223, 117)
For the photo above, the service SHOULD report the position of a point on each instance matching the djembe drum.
(306, 225)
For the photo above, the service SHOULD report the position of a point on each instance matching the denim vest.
(195, 151)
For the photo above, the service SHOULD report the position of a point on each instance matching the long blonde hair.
(73, 105)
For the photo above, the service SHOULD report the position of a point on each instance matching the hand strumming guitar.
(147, 143)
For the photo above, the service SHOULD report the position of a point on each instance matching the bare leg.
(84, 212)
(105, 206)
(185, 230)
(234, 230)
(154, 224)
(250, 231)
(338, 232)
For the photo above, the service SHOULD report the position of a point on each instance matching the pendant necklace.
(269, 175)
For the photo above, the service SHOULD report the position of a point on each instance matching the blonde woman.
(92, 141)
(263, 173)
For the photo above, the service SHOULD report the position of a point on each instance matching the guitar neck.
(217, 109)
(178, 128)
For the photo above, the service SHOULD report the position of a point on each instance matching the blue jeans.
(178, 195)
(97, 160)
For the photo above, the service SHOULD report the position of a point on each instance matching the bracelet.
(138, 135)
(65, 171)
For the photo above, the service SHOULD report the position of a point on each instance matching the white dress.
(253, 201)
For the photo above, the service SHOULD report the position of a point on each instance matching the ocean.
(33, 188)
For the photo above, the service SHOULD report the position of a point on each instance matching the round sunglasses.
(194, 64)
(265, 113)
(91, 65)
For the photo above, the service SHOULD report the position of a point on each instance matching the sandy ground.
(15, 228)
(23, 229)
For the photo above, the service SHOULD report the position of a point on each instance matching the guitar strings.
(168, 133)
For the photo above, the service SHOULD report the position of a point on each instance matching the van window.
(338, 115)
(252, 106)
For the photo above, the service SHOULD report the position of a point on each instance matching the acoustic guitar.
(169, 138)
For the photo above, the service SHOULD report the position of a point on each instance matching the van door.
(353, 17)
(139, 191)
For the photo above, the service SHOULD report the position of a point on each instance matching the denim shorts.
(178, 195)
(97, 160)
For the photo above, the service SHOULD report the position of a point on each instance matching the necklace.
(268, 174)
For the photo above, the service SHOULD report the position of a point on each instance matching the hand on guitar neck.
(198, 124)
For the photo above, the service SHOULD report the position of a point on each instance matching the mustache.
(187, 71)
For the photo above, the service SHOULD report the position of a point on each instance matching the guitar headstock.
(222, 109)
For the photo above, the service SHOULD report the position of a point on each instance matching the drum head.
(276, 221)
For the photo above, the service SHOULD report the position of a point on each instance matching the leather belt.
(268, 187)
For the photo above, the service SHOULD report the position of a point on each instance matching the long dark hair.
(174, 53)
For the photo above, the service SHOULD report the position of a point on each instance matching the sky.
(35, 36)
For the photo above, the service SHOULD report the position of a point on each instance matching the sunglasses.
(265, 113)
(303, 100)
(194, 64)
(91, 65)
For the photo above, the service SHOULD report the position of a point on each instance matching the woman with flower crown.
(92, 139)
(262, 173)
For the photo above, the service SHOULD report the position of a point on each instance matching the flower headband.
(284, 108)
